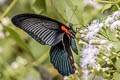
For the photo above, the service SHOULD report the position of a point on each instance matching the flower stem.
(8, 9)
(116, 3)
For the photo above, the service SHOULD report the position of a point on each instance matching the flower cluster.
(19, 61)
(93, 29)
(4, 22)
(113, 21)
(98, 50)
(89, 54)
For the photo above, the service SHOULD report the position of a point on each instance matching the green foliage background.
(18, 43)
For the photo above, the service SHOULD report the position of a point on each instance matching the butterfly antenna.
(73, 14)
(65, 15)
(57, 11)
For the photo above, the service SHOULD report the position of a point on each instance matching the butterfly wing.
(41, 28)
(73, 46)
(61, 57)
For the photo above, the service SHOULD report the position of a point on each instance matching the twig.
(8, 9)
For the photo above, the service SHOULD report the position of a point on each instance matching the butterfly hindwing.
(66, 45)
(60, 58)
(41, 28)
(73, 45)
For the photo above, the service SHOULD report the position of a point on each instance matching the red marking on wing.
(73, 65)
(71, 58)
(66, 31)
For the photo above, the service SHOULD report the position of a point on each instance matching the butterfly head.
(71, 30)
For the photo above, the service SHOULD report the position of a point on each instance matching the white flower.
(76, 71)
(89, 55)
(65, 77)
(115, 25)
(108, 47)
(21, 60)
(14, 65)
(116, 35)
(116, 15)
(107, 59)
(5, 21)
(82, 35)
(81, 31)
(104, 57)
(101, 25)
(97, 41)
(85, 30)
(85, 72)
(89, 35)
(108, 62)
(103, 41)
(109, 21)
(93, 29)
(113, 21)
(97, 67)
(105, 69)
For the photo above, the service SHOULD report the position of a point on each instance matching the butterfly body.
(48, 31)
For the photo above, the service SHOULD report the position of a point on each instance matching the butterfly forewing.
(41, 28)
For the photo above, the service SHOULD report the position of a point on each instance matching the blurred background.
(21, 57)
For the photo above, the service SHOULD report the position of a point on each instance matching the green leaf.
(79, 12)
(116, 76)
(37, 49)
(111, 34)
(67, 8)
(117, 64)
(107, 6)
(39, 6)
(33, 74)
(18, 40)
(7, 46)
(90, 13)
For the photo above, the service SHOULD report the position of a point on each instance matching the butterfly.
(50, 32)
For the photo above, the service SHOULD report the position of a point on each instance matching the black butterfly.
(51, 32)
